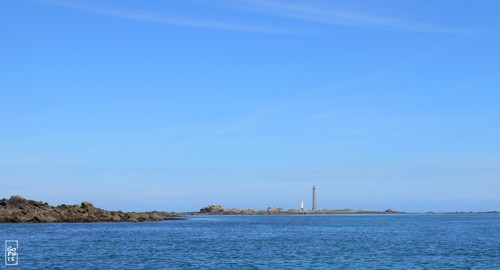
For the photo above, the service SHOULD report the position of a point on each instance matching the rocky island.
(215, 209)
(20, 210)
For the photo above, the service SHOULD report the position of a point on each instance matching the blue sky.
(173, 105)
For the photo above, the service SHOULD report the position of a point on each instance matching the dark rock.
(86, 205)
(213, 208)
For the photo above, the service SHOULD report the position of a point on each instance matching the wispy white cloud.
(268, 11)
(167, 19)
(323, 15)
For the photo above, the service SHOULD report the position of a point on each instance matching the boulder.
(23, 219)
(155, 216)
(86, 205)
(17, 198)
(213, 208)
(248, 211)
(48, 219)
(132, 216)
(271, 209)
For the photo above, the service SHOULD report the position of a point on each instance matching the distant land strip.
(215, 209)
(20, 210)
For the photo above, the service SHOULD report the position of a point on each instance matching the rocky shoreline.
(215, 209)
(20, 210)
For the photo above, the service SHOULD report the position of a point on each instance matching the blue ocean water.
(264, 242)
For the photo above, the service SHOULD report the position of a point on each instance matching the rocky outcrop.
(216, 209)
(20, 210)
(213, 208)
(275, 210)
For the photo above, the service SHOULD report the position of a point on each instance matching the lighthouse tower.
(314, 199)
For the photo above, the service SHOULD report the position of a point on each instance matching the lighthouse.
(314, 199)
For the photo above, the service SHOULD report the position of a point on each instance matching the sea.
(360, 241)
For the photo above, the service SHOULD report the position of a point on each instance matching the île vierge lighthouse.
(313, 201)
